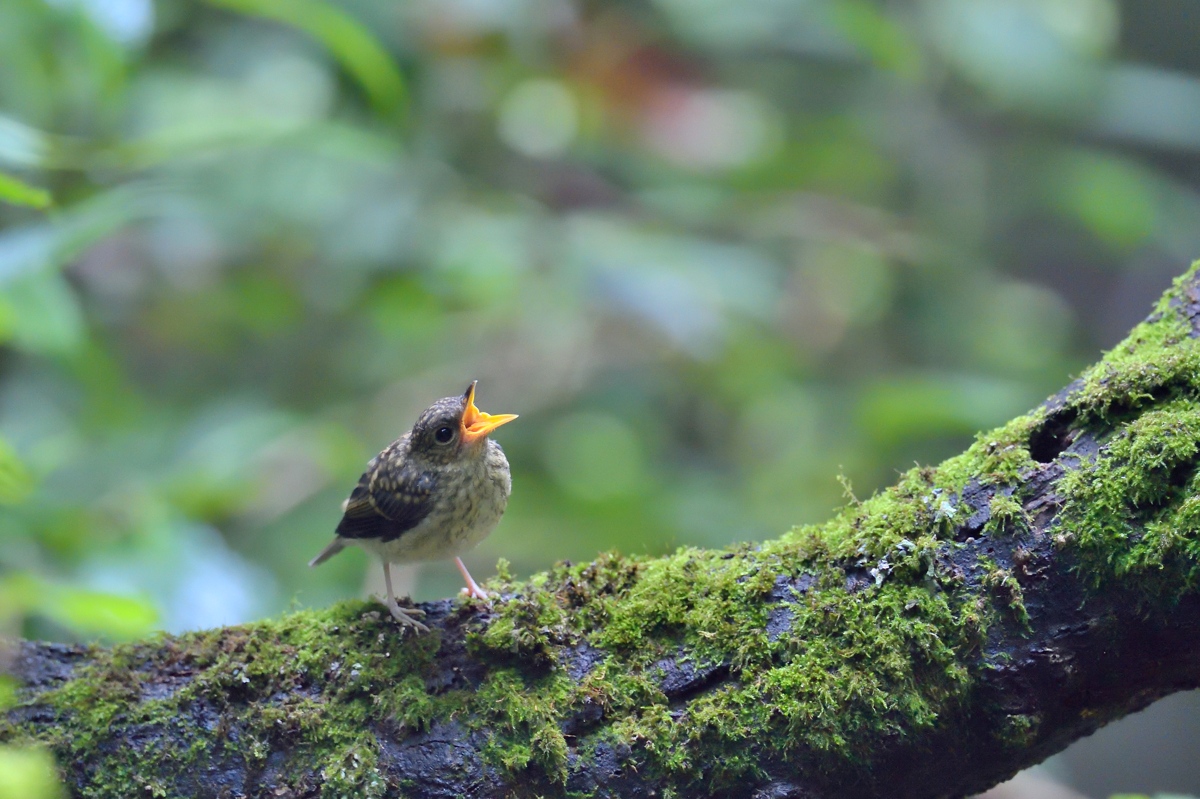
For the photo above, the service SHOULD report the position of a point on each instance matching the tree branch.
(932, 641)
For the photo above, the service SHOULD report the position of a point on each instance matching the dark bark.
(1069, 641)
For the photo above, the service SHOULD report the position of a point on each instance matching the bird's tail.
(335, 546)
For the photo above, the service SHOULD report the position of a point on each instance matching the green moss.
(1134, 511)
(1007, 515)
(529, 628)
(853, 665)
(520, 718)
(1018, 730)
(887, 658)
(1006, 586)
(1157, 354)
(258, 681)
(353, 771)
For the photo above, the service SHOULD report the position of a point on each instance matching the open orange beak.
(475, 423)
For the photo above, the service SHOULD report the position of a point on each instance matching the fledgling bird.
(433, 493)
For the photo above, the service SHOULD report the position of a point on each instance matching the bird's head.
(453, 427)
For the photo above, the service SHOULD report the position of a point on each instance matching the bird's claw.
(407, 616)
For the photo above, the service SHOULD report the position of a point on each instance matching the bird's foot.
(473, 591)
(407, 616)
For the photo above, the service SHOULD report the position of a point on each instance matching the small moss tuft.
(1018, 731)
(1008, 515)
(529, 629)
(1006, 585)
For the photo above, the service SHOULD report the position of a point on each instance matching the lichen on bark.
(929, 641)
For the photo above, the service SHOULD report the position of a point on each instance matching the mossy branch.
(927, 642)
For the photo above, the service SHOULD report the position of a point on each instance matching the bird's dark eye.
(443, 435)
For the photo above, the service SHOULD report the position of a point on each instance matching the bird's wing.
(390, 499)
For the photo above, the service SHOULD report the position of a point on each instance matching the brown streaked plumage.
(433, 493)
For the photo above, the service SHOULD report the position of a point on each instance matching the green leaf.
(16, 192)
(350, 43)
(42, 313)
(87, 612)
(883, 40)
(54, 242)
(15, 481)
(93, 612)
(906, 407)
(28, 774)
(1116, 199)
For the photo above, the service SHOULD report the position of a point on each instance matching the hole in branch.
(1049, 440)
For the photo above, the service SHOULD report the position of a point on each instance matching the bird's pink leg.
(473, 588)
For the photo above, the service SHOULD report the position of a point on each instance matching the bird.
(431, 494)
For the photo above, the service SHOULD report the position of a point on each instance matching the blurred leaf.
(1116, 200)
(596, 457)
(112, 401)
(264, 303)
(349, 42)
(1151, 106)
(52, 244)
(15, 481)
(8, 692)
(20, 144)
(28, 774)
(86, 612)
(15, 192)
(45, 317)
(887, 44)
(828, 154)
(97, 613)
(1018, 53)
(1017, 327)
(915, 406)
(400, 307)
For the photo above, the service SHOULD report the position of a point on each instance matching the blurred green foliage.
(715, 255)
(27, 774)
(16, 192)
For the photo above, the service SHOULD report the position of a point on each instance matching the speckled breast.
(463, 517)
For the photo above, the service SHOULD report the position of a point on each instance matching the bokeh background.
(731, 262)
